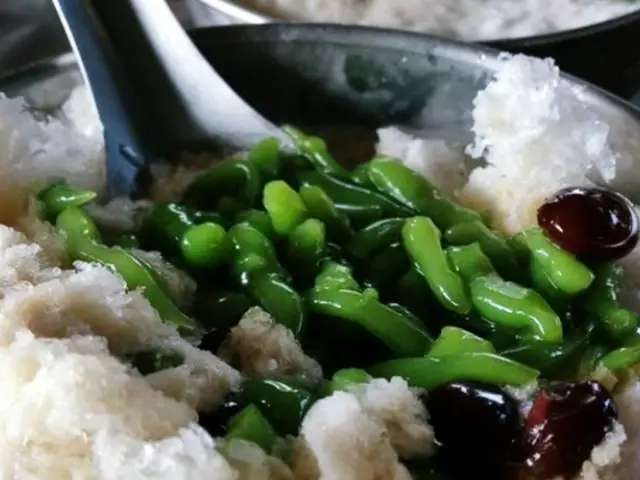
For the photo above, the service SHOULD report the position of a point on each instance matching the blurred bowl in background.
(29, 32)
(605, 54)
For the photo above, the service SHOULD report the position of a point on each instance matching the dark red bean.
(567, 420)
(476, 425)
(216, 422)
(592, 223)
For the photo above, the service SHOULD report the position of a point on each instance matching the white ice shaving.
(536, 137)
(262, 348)
(69, 409)
(342, 440)
(442, 163)
(33, 151)
(401, 412)
(534, 131)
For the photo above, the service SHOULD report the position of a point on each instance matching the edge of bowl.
(236, 10)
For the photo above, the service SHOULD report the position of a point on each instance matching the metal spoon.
(155, 93)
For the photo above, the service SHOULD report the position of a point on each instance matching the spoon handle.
(155, 91)
(192, 105)
(127, 140)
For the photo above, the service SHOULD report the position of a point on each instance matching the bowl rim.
(488, 52)
(245, 14)
(482, 52)
(573, 34)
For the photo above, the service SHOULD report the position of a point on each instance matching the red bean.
(476, 426)
(567, 420)
(592, 223)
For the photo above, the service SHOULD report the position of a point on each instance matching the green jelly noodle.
(373, 271)
(429, 372)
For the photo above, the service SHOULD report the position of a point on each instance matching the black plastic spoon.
(155, 93)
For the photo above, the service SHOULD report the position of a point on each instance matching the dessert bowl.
(350, 317)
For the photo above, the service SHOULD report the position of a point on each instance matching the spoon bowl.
(155, 93)
(314, 74)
